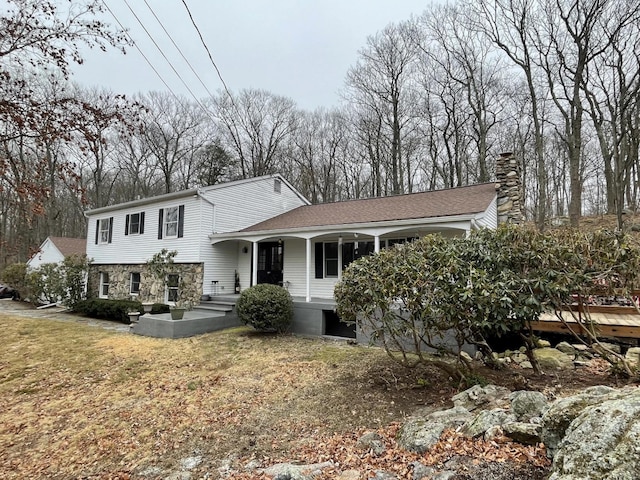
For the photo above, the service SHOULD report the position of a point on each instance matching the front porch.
(315, 318)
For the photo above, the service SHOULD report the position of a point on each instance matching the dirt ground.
(87, 399)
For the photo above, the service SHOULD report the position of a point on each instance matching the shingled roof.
(70, 246)
(438, 203)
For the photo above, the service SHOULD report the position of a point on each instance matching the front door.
(270, 256)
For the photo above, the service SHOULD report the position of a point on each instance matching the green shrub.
(15, 276)
(266, 307)
(107, 309)
(158, 308)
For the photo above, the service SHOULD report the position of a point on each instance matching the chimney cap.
(506, 154)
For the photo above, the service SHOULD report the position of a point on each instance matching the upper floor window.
(134, 224)
(104, 230)
(171, 222)
(277, 185)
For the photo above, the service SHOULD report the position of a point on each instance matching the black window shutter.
(126, 226)
(181, 221)
(141, 223)
(97, 230)
(160, 215)
(319, 260)
(110, 229)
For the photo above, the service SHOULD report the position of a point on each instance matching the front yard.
(83, 402)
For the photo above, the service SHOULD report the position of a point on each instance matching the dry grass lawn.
(83, 402)
(78, 401)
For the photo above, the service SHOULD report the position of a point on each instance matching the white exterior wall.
(137, 249)
(294, 266)
(48, 253)
(244, 264)
(490, 217)
(239, 206)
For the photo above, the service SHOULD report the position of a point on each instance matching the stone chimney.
(509, 188)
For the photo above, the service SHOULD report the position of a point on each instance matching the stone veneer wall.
(509, 187)
(151, 289)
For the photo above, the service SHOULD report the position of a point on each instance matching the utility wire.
(141, 52)
(168, 61)
(178, 48)
(207, 49)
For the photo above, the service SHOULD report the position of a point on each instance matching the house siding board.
(490, 217)
(294, 266)
(131, 249)
(244, 264)
(48, 253)
(250, 203)
(221, 261)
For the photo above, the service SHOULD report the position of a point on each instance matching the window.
(134, 224)
(104, 230)
(331, 259)
(326, 256)
(135, 283)
(277, 185)
(171, 222)
(104, 285)
(173, 282)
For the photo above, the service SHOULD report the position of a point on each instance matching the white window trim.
(131, 232)
(103, 283)
(131, 292)
(101, 240)
(166, 223)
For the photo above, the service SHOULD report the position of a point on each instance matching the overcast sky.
(300, 49)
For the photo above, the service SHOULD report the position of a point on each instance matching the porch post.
(339, 257)
(254, 261)
(308, 293)
(376, 243)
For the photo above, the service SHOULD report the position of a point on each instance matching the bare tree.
(256, 126)
(378, 86)
(174, 131)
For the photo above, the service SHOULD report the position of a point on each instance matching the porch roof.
(451, 202)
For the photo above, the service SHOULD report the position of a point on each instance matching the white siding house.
(55, 249)
(129, 234)
(261, 230)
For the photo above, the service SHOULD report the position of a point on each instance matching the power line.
(208, 51)
(140, 51)
(178, 48)
(168, 61)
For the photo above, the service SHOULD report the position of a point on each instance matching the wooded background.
(428, 103)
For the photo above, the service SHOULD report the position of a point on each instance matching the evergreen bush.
(107, 309)
(266, 307)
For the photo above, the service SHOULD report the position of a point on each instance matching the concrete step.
(215, 307)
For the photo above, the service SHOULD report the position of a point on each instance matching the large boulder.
(485, 420)
(481, 397)
(603, 442)
(289, 471)
(526, 404)
(419, 433)
(523, 432)
(562, 412)
(552, 359)
(633, 356)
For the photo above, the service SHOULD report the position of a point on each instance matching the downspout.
(213, 205)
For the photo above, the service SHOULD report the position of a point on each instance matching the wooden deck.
(610, 321)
